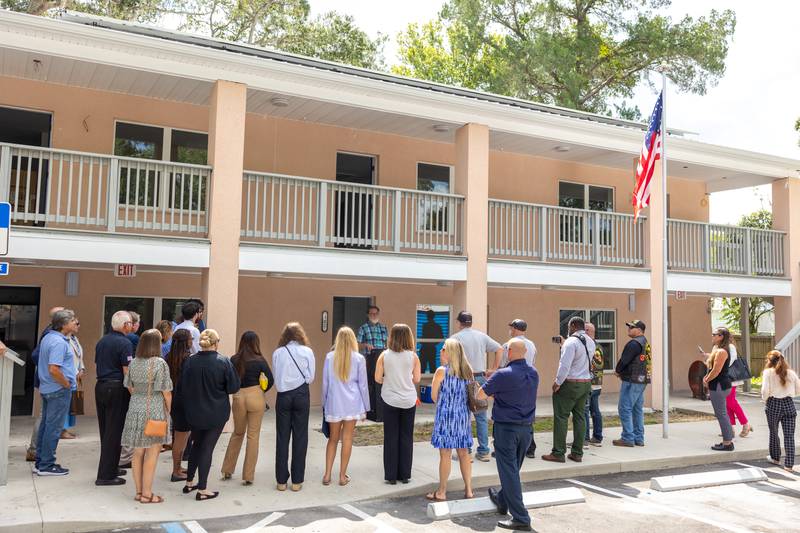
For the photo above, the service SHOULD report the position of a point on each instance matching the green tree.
(797, 128)
(761, 219)
(582, 54)
(133, 10)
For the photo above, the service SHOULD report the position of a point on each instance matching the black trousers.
(398, 442)
(291, 422)
(111, 400)
(200, 459)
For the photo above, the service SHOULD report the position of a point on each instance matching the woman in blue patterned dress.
(452, 427)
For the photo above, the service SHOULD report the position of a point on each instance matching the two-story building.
(281, 188)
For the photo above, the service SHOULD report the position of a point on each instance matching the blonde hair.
(209, 338)
(165, 328)
(401, 339)
(343, 350)
(457, 361)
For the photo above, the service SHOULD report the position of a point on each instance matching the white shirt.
(530, 351)
(398, 388)
(771, 386)
(574, 362)
(287, 374)
(476, 345)
(191, 328)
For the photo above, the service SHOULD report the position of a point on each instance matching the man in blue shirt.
(514, 390)
(57, 376)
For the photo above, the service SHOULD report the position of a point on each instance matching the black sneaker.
(54, 470)
(722, 447)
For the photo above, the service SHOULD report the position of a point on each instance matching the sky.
(753, 107)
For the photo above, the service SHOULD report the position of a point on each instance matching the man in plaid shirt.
(372, 335)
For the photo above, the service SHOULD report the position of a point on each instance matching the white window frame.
(611, 243)
(587, 311)
(166, 153)
(158, 304)
(451, 216)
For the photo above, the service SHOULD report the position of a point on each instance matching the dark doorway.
(19, 319)
(350, 311)
(30, 174)
(353, 219)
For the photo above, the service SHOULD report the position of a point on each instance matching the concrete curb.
(708, 479)
(532, 500)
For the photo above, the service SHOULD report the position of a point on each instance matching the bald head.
(516, 349)
(590, 330)
(55, 310)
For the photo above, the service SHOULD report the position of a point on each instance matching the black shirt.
(253, 370)
(111, 353)
(722, 381)
(207, 379)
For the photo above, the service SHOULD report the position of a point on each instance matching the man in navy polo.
(514, 390)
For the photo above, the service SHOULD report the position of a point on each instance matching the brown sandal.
(138, 496)
(346, 480)
(433, 496)
(153, 498)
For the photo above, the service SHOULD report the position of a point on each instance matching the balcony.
(290, 210)
(530, 232)
(62, 189)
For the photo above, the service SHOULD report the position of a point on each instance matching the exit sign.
(680, 295)
(125, 271)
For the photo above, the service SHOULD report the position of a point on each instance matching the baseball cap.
(636, 324)
(465, 317)
(519, 324)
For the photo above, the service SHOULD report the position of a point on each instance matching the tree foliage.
(761, 219)
(732, 312)
(281, 24)
(582, 54)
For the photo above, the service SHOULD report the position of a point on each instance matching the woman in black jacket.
(248, 406)
(208, 378)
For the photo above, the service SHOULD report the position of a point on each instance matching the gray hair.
(135, 316)
(118, 320)
(62, 318)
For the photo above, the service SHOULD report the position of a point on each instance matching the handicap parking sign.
(5, 226)
(3, 269)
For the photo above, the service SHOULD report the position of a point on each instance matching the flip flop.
(153, 498)
(326, 482)
(138, 496)
(431, 496)
(346, 480)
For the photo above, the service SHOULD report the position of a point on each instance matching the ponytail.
(776, 361)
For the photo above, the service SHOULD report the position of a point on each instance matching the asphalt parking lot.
(620, 503)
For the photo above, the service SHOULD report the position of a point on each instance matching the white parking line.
(664, 508)
(382, 528)
(260, 525)
(194, 527)
(776, 470)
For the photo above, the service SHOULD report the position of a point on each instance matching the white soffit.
(721, 285)
(351, 264)
(98, 248)
(566, 276)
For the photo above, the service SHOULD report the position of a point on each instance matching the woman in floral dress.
(150, 386)
(452, 427)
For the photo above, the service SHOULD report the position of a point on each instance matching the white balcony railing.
(559, 234)
(76, 190)
(292, 210)
(701, 247)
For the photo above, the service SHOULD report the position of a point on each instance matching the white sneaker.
(773, 461)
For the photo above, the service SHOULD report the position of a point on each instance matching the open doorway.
(350, 311)
(19, 317)
(353, 218)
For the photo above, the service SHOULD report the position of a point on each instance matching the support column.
(472, 181)
(786, 217)
(744, 328)
(225, 155)
(656, 232)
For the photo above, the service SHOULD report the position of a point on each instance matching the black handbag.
(738, 370)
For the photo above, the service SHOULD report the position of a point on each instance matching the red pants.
(734, 409)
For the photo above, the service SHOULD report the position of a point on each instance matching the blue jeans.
(593, 411)
(631, 411)
(482, 424)
(511, 441)
(55, 407)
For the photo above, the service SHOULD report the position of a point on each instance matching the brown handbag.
(76, 406)
(153, 428)
(475, 405)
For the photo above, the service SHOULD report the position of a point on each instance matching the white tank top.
(398, 386)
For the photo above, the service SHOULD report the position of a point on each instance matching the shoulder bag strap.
(295, 362)
(149, 390)
(585, 348)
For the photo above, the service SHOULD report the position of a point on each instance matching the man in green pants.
(571, 388)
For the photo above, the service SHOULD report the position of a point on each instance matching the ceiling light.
(562, 148)
(685, 166)
(279, 101)
(724, 177)
(441, 128)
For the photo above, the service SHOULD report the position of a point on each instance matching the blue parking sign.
(3, 269)
(5, 226)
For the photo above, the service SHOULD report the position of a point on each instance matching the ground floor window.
(605, 323)
(151, 309)
(433, 327)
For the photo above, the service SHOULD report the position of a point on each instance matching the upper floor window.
(433, 178)
(575, 226)
(433, 211)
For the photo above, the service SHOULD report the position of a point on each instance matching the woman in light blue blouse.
(345, 399)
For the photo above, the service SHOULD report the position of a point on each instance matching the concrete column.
(472, 181)
(786, 217)
(225, 155)
(656, 232)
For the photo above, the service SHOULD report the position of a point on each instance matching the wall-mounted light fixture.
(324, 322)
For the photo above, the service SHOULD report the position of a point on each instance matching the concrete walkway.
(73, 503)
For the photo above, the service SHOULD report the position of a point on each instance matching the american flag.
(651, 152)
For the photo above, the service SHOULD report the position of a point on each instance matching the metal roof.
(303, 61)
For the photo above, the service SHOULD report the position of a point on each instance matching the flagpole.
(664, 292)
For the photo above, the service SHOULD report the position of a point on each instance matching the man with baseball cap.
(632, 369)
(477, 345)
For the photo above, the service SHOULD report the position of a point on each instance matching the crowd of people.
(170, 388)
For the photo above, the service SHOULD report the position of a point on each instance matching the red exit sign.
(125, 271)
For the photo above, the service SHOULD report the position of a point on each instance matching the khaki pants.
(248, 411)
